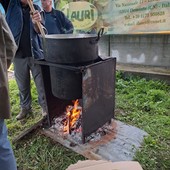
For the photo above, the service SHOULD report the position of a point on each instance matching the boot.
(44, 112)
(23, 113)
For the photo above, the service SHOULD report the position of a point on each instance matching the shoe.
(44, 113)
(23, 113)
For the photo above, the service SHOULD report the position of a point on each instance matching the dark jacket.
(7, 52)
(63, 24)
(14, 19)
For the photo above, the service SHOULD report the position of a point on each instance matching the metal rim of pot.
(71, 48)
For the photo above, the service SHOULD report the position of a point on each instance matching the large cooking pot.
(71, 48)
(66, 84)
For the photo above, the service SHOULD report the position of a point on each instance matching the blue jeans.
(7, 160)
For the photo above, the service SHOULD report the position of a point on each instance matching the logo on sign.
(82, 14)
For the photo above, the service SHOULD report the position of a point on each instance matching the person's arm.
(9, 41)
(68, 26)
(37, 16)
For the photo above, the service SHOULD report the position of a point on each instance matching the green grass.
(139, 102)
(146, 104)
(16, 127)
(40, 153)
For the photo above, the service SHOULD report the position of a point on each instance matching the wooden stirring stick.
(30, 3)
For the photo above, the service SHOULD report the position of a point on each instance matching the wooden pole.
(30, 3)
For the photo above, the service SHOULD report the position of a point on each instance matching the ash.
(76, 133)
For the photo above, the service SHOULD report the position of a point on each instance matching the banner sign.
(82, 14)
(118, 16)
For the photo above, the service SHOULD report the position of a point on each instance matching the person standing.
(26, 34)
(55, 21)
(7, 52)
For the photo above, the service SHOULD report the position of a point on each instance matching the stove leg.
(83, 139)
(110, 121)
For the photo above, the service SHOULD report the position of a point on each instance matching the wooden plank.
(25, 132)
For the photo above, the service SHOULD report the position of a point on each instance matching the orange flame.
(72, 116)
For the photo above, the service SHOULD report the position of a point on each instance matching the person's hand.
(36, 17)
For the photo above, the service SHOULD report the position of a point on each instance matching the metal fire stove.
(93, 84)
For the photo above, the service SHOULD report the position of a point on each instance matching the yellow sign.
(82, 14)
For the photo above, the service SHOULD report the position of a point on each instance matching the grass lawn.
(139, 102)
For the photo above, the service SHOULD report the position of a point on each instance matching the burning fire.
(73, 114)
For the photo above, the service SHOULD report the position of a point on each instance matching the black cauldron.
(71, 48)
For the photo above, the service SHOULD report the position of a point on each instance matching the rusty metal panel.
(98, 95)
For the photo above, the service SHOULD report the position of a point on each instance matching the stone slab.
(119, 144)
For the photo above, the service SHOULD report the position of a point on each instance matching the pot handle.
(99, 34)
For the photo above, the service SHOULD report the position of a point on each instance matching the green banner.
(118, 16)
